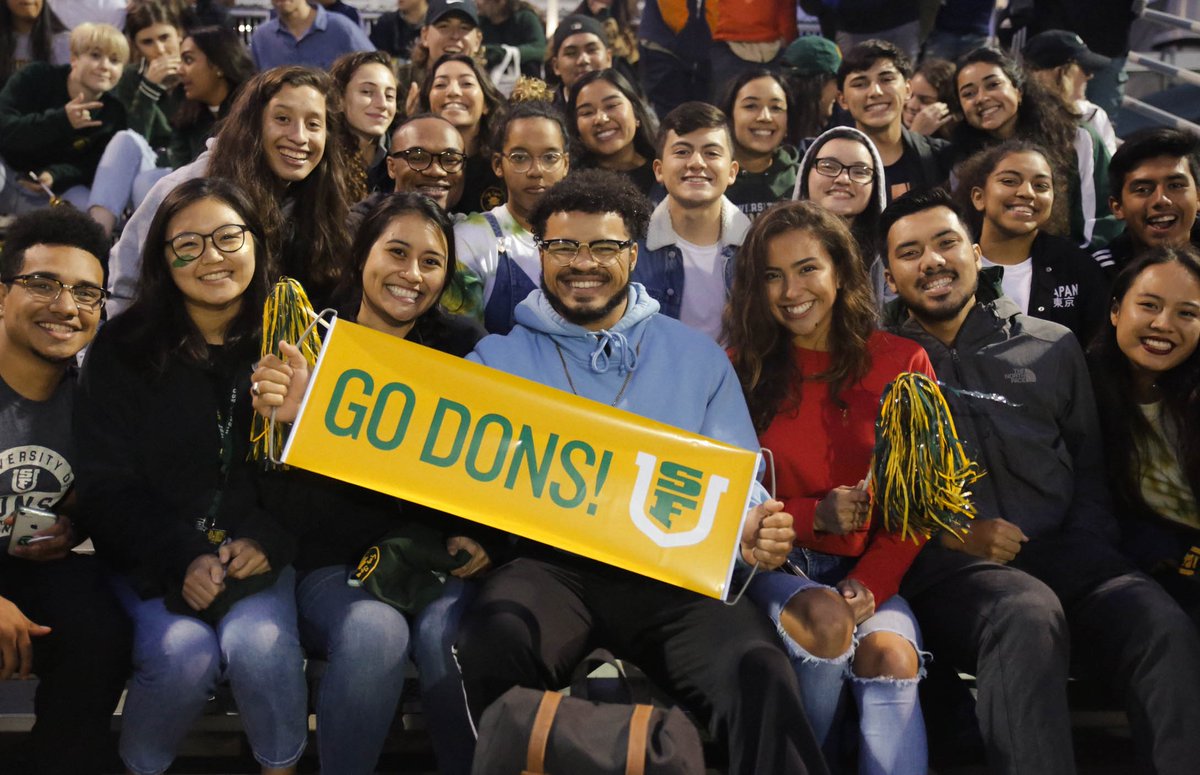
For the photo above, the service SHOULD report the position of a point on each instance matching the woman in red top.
(801, 325)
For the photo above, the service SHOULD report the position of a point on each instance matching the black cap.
(1055, 48)
(573, 25)
(439, 8)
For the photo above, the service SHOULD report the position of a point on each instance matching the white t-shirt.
(476, 246)
(1018, 279)
(703, 288)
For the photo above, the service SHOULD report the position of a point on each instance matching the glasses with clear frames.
(604, 252)
(47, 290)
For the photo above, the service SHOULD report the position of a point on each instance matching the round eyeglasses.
(523, 162)
(189, 245)
(419, 159)
(46, 290)
(603, 251)
(831, 168)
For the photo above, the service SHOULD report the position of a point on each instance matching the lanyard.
(225, 432)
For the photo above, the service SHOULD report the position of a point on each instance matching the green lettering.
(357, 411)
(572, 472)
(428, 455)
(525, 451)
(506, 430)
(377, 416)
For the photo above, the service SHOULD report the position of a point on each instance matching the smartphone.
(27, 521)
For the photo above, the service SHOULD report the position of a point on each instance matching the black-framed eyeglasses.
(523, 162)
(419, 159)
(603, 251)
(831, 168)
(189, 245)
(47, 290)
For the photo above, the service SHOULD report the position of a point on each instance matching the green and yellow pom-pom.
(920, 473)
(286, 315)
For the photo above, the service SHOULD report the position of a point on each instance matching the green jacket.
(149, 109)
(35, 135)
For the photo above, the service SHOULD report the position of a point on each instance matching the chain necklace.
(571, 382)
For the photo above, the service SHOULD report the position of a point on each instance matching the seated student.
(163, 425)
(213, 65)
(276, 144)
(1010, 190)
(873, 86)
(397, 31)
(686, 259)
(450, 27)
(459, 90)
(368, 86)
(841, 171)
(579, 46)
(55, 121)
(612, 128)
(496, 245)
(427, 157)
(1038, 568)
(31, 32)
(302, 34)
(1145, 368)
(998, 101)
(1064, 65)
(809, 71)
(801, 332)
(403, 256)
(537, 616)
(58, 618)
(1153, 179)
(761, 109)
(929, 111)
(513, 23)
(618, 18)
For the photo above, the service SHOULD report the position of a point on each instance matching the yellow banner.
(412, 422)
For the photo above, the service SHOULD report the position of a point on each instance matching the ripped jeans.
(891, 728)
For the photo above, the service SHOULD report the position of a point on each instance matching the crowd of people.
(697, 217)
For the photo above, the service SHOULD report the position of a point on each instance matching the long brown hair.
(310, 244)
(761, 348)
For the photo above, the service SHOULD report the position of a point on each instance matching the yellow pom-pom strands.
(287, 315)
(920, 473)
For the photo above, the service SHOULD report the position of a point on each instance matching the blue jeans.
(15, 200)
(179, 660)
(891, 728)
(366, 643)
(127, 170)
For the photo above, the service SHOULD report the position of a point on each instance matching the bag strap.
(639, 731)
(539, 736)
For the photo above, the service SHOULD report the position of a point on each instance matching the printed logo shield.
(662, 513)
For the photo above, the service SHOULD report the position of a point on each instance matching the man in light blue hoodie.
(592, 332)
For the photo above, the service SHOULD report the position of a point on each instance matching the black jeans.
(81, 664)
(535, 619)
(1019, 628)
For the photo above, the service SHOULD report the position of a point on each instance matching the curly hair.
(51, 226)
(309, 243)
(342, 71)
(594, 191)
(1125, 428)
(974, 172)
(761, 349)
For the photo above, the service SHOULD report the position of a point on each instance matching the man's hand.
(204, 580)
(16, 645)
(990, 539)
(479, 556)
(767, 536)
(79, 112)
(843, 509)
(61, 540)
(280, 385)
(861, 599)
(243, 558)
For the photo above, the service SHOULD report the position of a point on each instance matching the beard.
(943, 313)
(582, 317)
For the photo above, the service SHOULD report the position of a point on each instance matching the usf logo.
(666, 502)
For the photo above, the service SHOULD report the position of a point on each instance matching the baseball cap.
(439, 8)
(1054, 48)
(812, 55)
(573, 25)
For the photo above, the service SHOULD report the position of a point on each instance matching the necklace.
(571, 382)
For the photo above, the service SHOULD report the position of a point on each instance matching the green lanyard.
(225, 431)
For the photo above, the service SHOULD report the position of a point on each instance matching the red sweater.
(820, 446)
